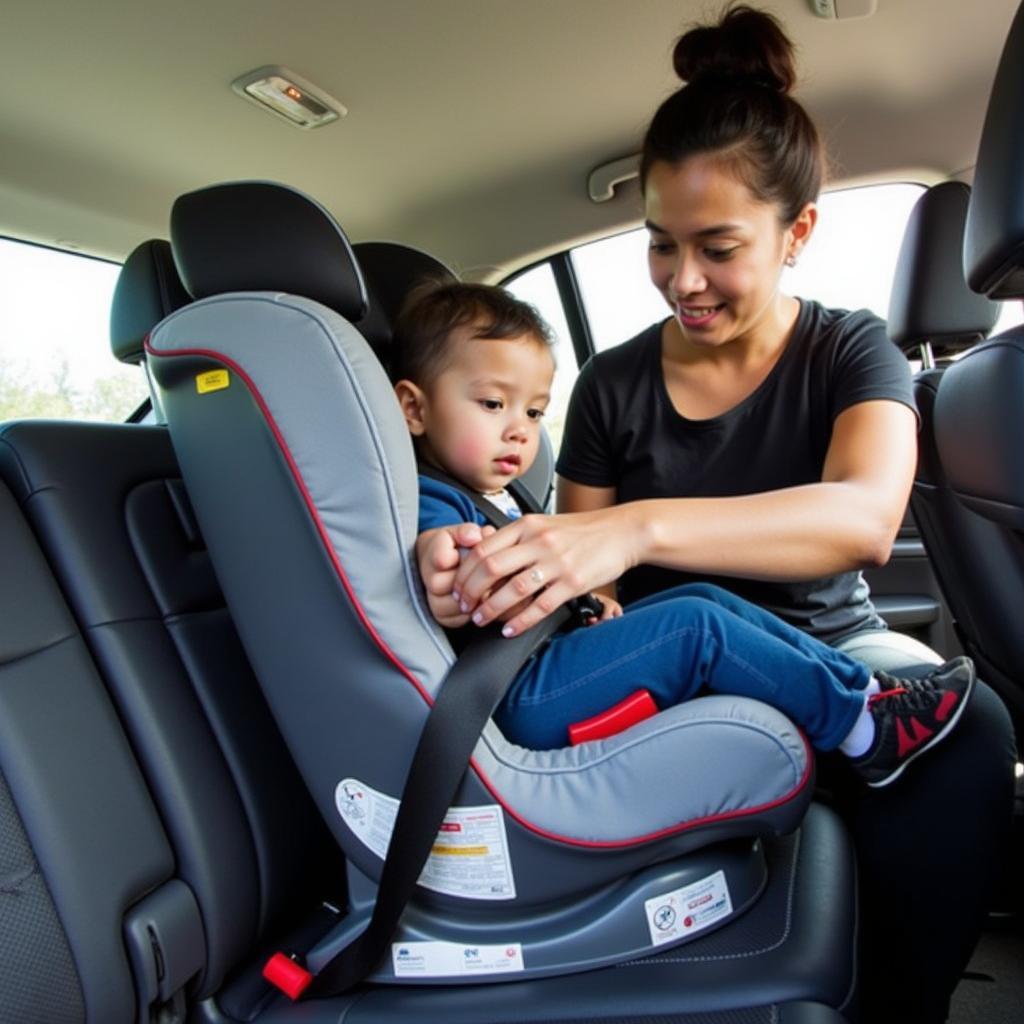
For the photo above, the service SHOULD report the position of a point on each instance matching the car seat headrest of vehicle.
(391, 272)
(148, 289)
(994, 241)
(930, 300)
(260, 236)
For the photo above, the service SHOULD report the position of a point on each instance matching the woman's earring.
(791, 260)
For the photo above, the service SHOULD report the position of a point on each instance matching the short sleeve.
(867, 365)
(441, 505)
(585, 456)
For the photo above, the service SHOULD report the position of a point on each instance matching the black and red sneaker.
(912, 716)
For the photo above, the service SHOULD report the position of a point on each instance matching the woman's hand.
(545, 560)
(438, 554)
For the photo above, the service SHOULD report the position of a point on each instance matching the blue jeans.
(676, 644)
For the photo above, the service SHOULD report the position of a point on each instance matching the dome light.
(288, 96)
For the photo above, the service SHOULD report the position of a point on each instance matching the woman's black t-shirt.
(622, 431)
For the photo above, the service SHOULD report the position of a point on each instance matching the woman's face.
(716, 252)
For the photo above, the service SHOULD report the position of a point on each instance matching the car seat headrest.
(260, 236)
(148, 289)
(994, 241)
(930, 300)
(391, 271)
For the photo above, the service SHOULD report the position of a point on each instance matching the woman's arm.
(846, 521)
(574, 497)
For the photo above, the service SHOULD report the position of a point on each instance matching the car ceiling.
(472, 124)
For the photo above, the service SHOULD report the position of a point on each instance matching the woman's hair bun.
(746, 44)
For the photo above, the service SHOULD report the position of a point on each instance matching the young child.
(473, 367)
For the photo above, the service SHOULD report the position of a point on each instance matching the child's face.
(479, 420)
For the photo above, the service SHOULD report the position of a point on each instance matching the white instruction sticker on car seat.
(470, 854)
(690, 909)
(444, 959)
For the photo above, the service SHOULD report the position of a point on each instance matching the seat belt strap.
(468, 696)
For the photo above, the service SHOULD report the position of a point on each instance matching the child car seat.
(303, 479)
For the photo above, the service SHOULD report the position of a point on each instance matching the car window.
(849, 263)
(55, 358)
(537, 286)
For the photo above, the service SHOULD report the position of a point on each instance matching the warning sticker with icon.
(691, 909)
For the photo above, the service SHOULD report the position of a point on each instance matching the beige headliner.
(472, 124)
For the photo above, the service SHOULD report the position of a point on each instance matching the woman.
(769, 442)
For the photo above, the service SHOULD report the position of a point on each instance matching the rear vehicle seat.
(84, 858)
(933, 312)
(108, 508)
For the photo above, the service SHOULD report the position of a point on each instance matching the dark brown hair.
(434, 311)
(736, 104)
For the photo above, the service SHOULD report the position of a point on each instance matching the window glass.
(537, 286)
(848, 263)
(55, 358)
(618, 296)
(1012, 315)
(850, 260)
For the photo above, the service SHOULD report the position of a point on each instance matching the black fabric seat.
(933, 313)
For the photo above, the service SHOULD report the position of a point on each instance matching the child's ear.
(411, 399)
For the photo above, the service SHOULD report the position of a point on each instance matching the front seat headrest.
(930, 301)
(391, 272)
(260, 236)
(148, 289)
(994, 242)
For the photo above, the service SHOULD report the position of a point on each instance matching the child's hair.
(436, 309)
(736, 103)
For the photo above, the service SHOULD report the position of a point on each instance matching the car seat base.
(661, 906)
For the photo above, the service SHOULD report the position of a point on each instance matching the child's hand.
(438, 553)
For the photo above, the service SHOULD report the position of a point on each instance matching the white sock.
(859, 739)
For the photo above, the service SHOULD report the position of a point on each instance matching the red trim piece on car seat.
(288, 975)
(635, 708)
(598, 844)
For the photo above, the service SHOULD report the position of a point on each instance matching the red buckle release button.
(286, 974)
(635, 708)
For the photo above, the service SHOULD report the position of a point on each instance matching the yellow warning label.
(215, 380)
(460, 851)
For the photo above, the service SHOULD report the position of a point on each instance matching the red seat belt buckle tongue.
(288, 975)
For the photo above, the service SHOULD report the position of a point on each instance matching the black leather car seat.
(979, 413)
(933, 315)
(109, 509)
